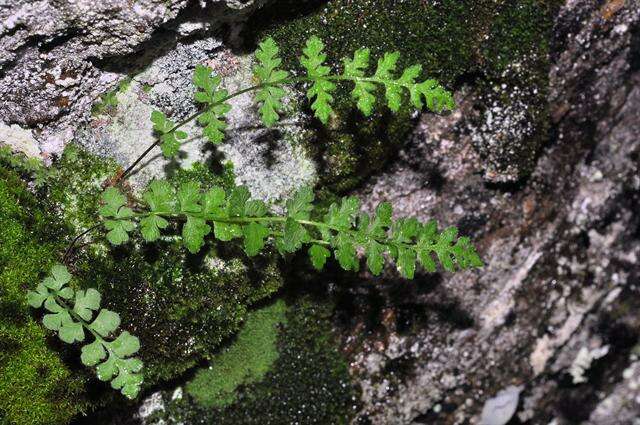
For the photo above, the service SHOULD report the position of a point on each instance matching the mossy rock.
(37, 386)
(353, 146)
(512, 120)
(181, 306)
(308, 382)
(456, 42)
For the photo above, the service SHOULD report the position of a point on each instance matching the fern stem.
(278, 219)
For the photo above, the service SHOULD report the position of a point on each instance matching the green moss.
(516, 64)
(307, 384)
(245, 361)
(36, 386)
(181, 306)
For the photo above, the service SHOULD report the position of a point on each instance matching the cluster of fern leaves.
(234, 215)
(271, 83)
(343, 231)
(111, 355)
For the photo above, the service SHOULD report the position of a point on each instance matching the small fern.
(343, 229)
(270, 92)
(112, 356)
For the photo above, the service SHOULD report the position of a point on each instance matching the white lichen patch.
(19, 139)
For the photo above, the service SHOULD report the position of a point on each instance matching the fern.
(112, 356)
(270, 91)
(343, 229)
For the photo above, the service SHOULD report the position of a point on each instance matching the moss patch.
(245, 361)
(181, 306)
(307, 384)
(36, 385)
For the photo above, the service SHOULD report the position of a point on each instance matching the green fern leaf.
(85, 302)
(193, 233)
(267, 73)
(70, 324)
(189, 197)
(169, 137)
(106, 322)
(208, 93)
(318, 255)
(300, 205)
(375, 260)
(237, 199)
(321, 88)
(294, 235)
(213, 202)
(160, 197)
(345, 252)
(254, 236)
(92, 354)
(363, 90)
(119, 227)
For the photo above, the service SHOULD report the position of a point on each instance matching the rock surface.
(562, 252)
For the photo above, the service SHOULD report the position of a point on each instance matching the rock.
(499, 410)
(272, 163)
(19, 139)
(55, 56)
(561, 251)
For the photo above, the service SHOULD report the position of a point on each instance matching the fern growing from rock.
(343, 231)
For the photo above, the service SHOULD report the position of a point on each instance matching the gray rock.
(500, 409)
(562, 253)
(59, 57)
(56, 56)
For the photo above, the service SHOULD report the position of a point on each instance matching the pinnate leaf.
(189, 197)
(150, 227)
(125, 345)
(193, 233)
(85, 302)
(71, 332)
(254, 236)
(312, 60)
(300, 205)
(294, 235)
(92, 354)
(267, 72)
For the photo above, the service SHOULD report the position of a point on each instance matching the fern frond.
(111, 355)
(343, 229)
(354, 69)
(169, 136)
(209, 93)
